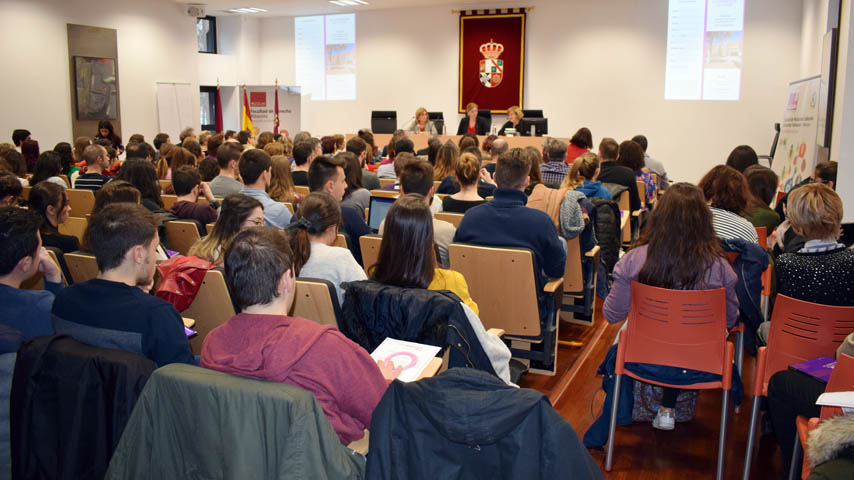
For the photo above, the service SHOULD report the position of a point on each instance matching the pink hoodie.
(318, 358)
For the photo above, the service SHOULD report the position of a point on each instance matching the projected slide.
(326, 56)
(705, 41)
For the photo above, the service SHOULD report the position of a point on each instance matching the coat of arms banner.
(492, 59)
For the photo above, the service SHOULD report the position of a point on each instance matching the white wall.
(155, 41)
(813, 27)
(600, 66)
(842, 142)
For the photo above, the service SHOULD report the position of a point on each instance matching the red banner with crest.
(492, 59)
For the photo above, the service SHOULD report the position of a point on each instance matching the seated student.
(115, 309)
(312, 238)
(97, 161)
(225, 183)
(487, 224)
(496, 148)
(401, 145)
(583, 177)
(399, 162)
(208, 169)
(48, 168)
(49, 200)
(467, 175)
(355, 195)
(610, 172)
(742, 157)
(142, 175)
(304, 153)
(327, 175)
(554, 167)
(27, 311)
(409, 234)
(692, 260)
(787, 240)
(237, 213)
(360, 149)
(263, 342)
(255, 170)
(762, 182)
(10, 189)
(655, 166)
(188, 185)
(417, 177)
(630, 155)
(579, 144)
(281, 187)
(726, 192)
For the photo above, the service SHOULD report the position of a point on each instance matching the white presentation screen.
(705, 42)
(326, 56)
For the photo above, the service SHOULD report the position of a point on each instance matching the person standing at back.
(610, 172)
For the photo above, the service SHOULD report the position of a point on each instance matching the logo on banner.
(257, 99)
(491, 67)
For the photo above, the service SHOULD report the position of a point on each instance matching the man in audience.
(507, 222)
(742, 157)
(255, 170)
(229, 135)
(417, 177)
(19, 136)
(399, 162)
(188, 132)
(610, 172)
(263, 342)
(246, 140)
(652, 164)
(27, 311)
(188, 184)
(327, 175)
(159, 140)
(224, 184)
(554, 167)
(359, 148)
(499, 146)
(140, 150)
(97, 161)
(10, 189)
(304, 153)
(115, 309)
(404, 145)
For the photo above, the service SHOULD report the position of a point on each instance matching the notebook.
(819, 368)
(413, 357)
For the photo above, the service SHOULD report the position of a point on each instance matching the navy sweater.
(507, 222)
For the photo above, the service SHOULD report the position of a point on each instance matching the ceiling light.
(348, 3)
(246, 10)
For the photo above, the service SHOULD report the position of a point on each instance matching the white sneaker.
(664, 419)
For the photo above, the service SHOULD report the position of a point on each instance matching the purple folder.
(819, 368)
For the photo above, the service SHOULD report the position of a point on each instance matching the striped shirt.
(729, 225)
(91, 181)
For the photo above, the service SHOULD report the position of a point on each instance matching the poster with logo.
(795, 156)
(492, 59)
(262, 108)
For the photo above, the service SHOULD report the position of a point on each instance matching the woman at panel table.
(514, 117)
(421, 123)
(471, 123)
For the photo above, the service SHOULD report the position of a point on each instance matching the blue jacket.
(594, 189)
(751, 262)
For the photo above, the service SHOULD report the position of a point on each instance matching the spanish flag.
(246, 124)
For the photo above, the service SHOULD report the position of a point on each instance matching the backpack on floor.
(648, 398)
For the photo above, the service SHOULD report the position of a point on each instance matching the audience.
(726, 192)
(742, 157)
(237, 213)
(579, 144)
(327, 145)
(263, 342)
(97, 161)
(225, 184)
(446, 162)
(115, 309)
(467, 175)
(535, 158)
(554, 167)
(49, 200)
(652, 164)
(141, 174)
(188, 186)
(630, 155)
(27, 311)
(208, 169)
(107, 132)
(304, 153)
(824, 172)
(117, 191)
(30, 151)
(274, 149)
(312, 238)
(214, 142)
(66, 156)
(281, 187)
(140, 151)
(255, 169)
(264, 139)
(690, 260)
(360, 149)
(13, 161)
(498, 146)
(246, 140)
(355, 195)
(611, 172)
(399, 162)
(402, 145)
(10, 189)
(762, 182)
(18, 137)
(583, 177)
(48, 168)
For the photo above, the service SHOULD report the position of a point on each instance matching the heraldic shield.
(491, 72)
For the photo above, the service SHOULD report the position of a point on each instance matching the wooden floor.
(642, 452)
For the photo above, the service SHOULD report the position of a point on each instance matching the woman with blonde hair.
(472, 123)
(288, 145)
(582, 177)
(446, 161)
(421, 123)
(281, 187)
(467, 173)
(274, 149)
(514, 117)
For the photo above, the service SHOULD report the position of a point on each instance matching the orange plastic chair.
(800, 331)
(679, 328)
(762, 233)
(738, 329)
(841, 380)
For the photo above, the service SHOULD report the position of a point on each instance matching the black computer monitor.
(384, 121)
(532, 113)
(377, 211)
(541, 126)
(487, 114)
(438, 119)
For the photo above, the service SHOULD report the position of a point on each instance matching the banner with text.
(492, 59)
(795, 156)
(262, 109)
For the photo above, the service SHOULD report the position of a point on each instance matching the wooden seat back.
(385, 193)
(81, 202)
(452, 218)
(74, 226)
(316, 300)
(301, 189)
(370, 245)
(83, 266)
(168, 201)
(340, 241)
(387, 181)
(180, 236)
(211, 308)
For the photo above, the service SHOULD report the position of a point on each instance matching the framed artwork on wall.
(95, 86)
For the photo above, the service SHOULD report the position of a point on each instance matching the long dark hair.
(235, 209)
(117, 191)
(48, 165)
(317, 212)
(141, 174)
(43, 195)
(66, 158)
(682, 245)
(408, 234)
(352, 172)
